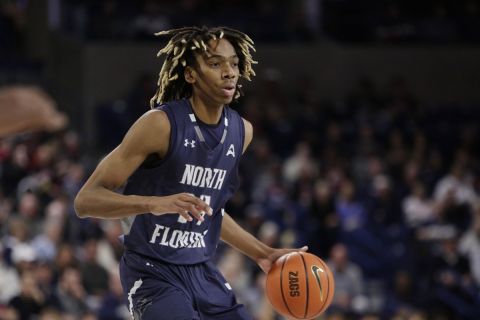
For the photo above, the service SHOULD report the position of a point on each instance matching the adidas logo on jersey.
(231, 151)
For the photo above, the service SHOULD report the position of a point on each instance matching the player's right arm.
(97, 198)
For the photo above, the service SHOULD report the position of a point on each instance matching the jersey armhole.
(242, 135)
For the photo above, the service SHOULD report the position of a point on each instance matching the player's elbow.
(79, 204)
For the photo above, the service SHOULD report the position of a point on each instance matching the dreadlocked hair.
(180, 52)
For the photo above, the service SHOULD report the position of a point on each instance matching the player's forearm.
(102, 203)
(240, 239)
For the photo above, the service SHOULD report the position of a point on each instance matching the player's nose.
(228, 72)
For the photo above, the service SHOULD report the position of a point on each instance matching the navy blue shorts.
(157, 290)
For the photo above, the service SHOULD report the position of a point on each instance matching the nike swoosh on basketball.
(315, 270)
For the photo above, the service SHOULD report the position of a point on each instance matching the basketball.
(300, 285)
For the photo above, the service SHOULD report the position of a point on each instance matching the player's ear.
(190, 74)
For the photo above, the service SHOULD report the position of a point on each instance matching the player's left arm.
(237, 237)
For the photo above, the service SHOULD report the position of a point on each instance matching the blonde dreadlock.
(179, 53)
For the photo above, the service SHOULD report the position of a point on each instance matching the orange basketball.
(300, 285)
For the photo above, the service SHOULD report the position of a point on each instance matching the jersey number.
(203, 197)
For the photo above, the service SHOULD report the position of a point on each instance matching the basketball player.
(179, 162)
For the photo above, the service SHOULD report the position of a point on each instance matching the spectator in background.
(452, 281)
(349, 283)
(46, 242)
(299, 164)
(258, 301)
(455, 193)
(403, 298)
(17, 242)
(44, 277)
(269, 233)
(458, 181)
(351, 212)
(31, 299)
(470, 245)
(73, 178)
(29, 208)
(15, 167)
(112, 306)
(65, 259)
(9, 279)
(70, 295)
(384, 209)
(323, 219)
(94, 276)
(234, 268)
(418, 208)
(109, 247)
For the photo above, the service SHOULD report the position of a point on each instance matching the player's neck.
(207, 113)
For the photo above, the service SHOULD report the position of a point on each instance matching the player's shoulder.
(152, 124)
(161, 118)
(155, 118)
(149, 134)
(173, 105)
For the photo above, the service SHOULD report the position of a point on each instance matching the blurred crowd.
(436, 21)
(286, 20)
(406, 21)
(383, 187)
(392, 21)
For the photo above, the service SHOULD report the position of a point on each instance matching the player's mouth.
(228, 90)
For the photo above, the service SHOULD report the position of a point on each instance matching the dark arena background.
(366, 147)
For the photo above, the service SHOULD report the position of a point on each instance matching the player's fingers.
(204, 209)
(199, 203)
(203, 206)
(191, 210)
(185, 214)
(181, 206)
(302, 249)
(208, 210)
(198, 214)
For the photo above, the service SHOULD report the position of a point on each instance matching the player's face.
(216, 74)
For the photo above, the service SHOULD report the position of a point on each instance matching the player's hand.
(266, 263)
(185, 204)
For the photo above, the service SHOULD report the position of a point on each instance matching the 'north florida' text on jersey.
(190, 165)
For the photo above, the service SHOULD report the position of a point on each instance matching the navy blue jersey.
(192, 166)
